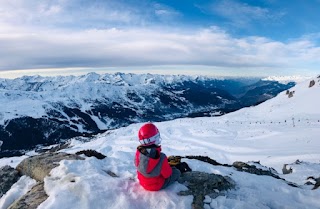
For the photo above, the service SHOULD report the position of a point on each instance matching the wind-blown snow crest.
(265, 133)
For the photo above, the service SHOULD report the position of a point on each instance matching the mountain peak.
(49, 109)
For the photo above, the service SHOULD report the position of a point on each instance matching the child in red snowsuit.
(153, 169)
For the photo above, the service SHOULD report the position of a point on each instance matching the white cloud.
(66, 34)
(71, 13)
(48, 10)
(145, 47)
(165, 13)
(242, 14)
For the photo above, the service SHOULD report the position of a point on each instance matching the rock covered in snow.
(32, 199)
(8, 176)
(241, 166)
(201, 184)
(39, 166)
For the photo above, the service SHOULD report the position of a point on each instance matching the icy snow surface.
(276, 132)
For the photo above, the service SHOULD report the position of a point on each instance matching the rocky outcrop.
(8, 176)
(54, 148)
(39, 166)
(91, 153)
(244, 167)
(36, 167)
(315, 183)
(285, 170)
(312, 83)
(32, 199)
(291, 94)
(202, 184)
(205, 159)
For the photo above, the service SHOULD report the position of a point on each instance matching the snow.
(21, 187)
(34, 96)
(12, 161)
(93, 188)
(287, 79)
(276, 132)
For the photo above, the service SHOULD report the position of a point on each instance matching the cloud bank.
(144, 47)
(71, 34)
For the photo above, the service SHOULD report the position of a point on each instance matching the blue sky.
(212, 37)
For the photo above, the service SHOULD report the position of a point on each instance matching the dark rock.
(91, 153)
(54, 148)
(32, 199)
(309, 183)
(285, 170)
(112, 174)
(317, 182)
(291, 94)
(8, 176)
(312, 83)
(201, 184)
(244, 167)
(298, 162)
(205, 159)
(39, 166)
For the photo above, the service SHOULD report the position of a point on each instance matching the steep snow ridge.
(303, 105)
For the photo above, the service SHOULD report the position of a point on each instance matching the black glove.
(183, 167)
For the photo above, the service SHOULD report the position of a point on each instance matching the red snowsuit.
(152, 167)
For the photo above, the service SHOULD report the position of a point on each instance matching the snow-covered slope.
(44, 110)
(298, 104)
(265, 133)
(37, 96)
(286, 79)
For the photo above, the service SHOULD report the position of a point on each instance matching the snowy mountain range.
(45, 110)
(281, 131)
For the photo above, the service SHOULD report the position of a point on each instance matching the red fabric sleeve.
(136, 159)
(166, 170)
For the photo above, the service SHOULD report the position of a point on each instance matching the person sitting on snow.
(153, 169)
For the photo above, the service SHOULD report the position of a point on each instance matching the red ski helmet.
(149, 134)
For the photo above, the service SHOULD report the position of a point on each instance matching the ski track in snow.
(266, 133)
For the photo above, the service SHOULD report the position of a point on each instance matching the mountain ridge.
(256, 137)
(50, 109)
